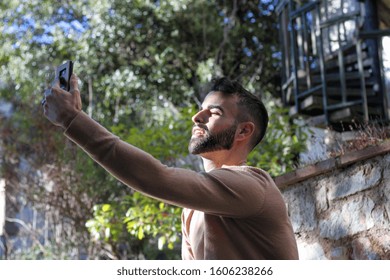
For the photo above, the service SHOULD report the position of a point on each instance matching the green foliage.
(167, 140)
(282, 144)
(148, 217)
(106, 225)
(143, 218)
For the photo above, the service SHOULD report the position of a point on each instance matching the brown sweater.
(238, 213)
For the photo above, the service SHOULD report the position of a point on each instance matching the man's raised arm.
(221, 192)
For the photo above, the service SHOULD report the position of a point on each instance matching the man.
(231, 211)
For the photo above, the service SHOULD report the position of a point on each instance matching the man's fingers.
(74, 84)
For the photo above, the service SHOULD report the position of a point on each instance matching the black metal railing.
(331, 61)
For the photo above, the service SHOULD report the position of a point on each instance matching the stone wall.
(340, 207)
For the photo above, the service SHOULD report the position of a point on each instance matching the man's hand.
(61, 107)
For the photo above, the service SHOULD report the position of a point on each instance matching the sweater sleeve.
(226, 192)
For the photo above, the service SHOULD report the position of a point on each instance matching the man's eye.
(215, 112)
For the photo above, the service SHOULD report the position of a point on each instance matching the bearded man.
(231, 210)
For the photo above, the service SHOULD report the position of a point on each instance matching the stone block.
(379, 216)
(383, 241)
(386, 159)
(386, 168)
(356, 180)
(362, 250)
(321, 197)
(353, 216)
(386, 191)
(301, 207)
(312, 251)
(339, 253)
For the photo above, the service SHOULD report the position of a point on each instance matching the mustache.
(201, 126)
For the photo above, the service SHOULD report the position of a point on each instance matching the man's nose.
(199, 117)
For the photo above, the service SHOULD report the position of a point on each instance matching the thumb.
(74, 90)
(74, 84)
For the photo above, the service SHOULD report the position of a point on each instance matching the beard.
(210, 142)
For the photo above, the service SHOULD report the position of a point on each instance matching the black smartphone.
(63, 73)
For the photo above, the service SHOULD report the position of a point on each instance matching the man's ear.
(245, 130)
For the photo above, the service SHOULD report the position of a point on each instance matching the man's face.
(215, 124)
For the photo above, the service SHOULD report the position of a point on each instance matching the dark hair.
(253, 108)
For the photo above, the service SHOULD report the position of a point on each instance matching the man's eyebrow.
(214, 107)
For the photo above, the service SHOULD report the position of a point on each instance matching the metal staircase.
(331, 55)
